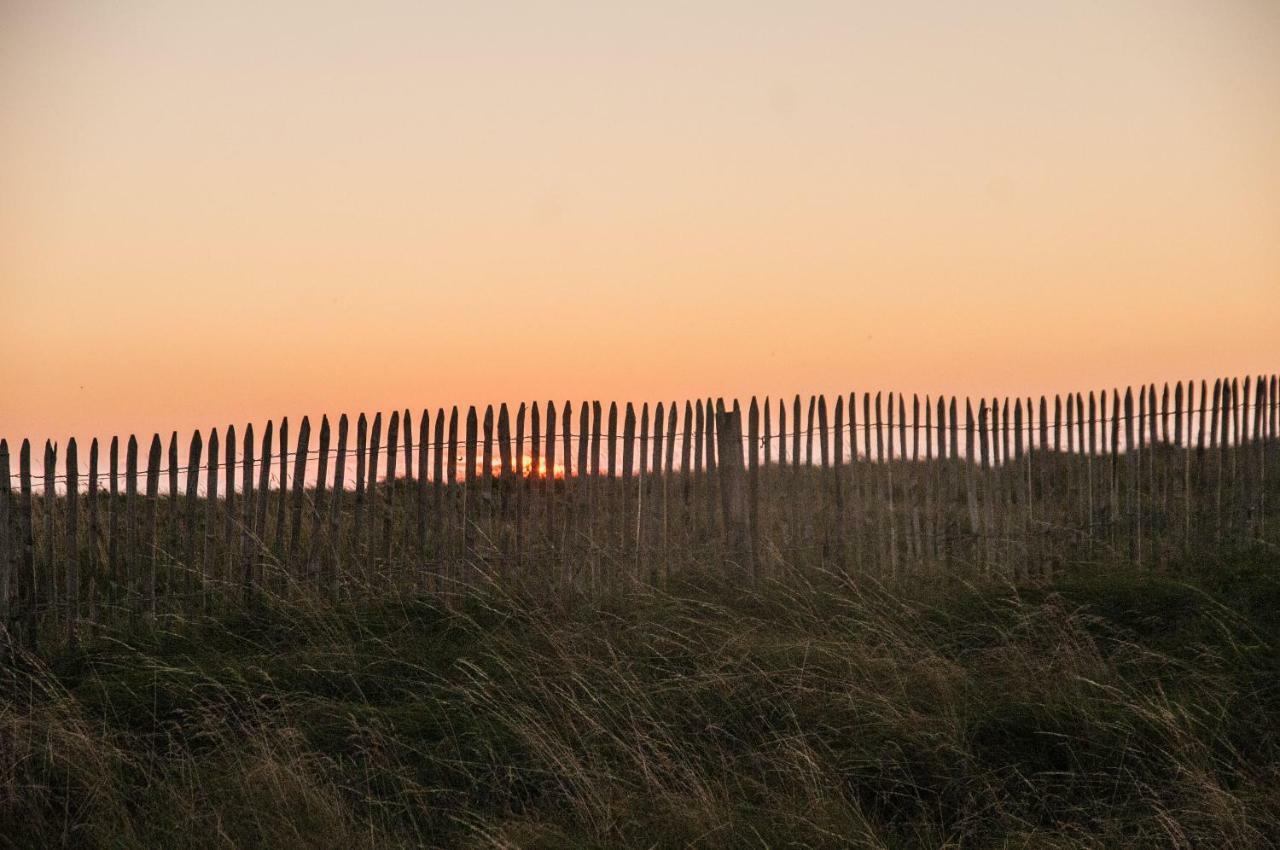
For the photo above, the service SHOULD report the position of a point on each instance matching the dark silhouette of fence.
(892, 487)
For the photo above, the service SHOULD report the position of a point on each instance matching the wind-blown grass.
(1104, 710)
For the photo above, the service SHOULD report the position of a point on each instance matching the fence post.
(666, 490)
(628, 461)
(264, 489)
(469, 487)
(319, 516)
(372, 502)
(910, 510)
(690, 446)
(548, 481)
(389, 503)
(281, 538)
(582, 488)
(406, 421)
(27, 578)
(570, 491)
(407, 531)
(986, 431)
(1090, 452)
(753, 480)
(486, 457)
(299, 489)
(532, 484)
(230, 520)
(593, 490)
(584, 441)
(1274, 407)
(768, 435)
(424, 439)
(566, 436)
(643, 484)
(698, 438)
(174, 496)
(261, 544)
(1260, 437)
(191, 517)
(856, 492)
(256, 533)
(823, 442)
(971, 485)
(877, 470)
(451, 474)
(1214, 430)
(153, 494)
(946, 471)
(1131, 481)
(73, 542)
(437, 493)
(659, 437)
(49, 500)
(808, 432)
(125, 579)
(335, 559)
(211, 513)
(504, 457)
(1236, 419)
(796, 426)
(782, 434)
(711, 479)
(1164, 414)
(837, 491)
(728, 427)
(507, 474)
(95, 531)
(1022, 489)
(113, 516)
(357, 513)
(6, 544)
(902, 426)
(930, 486)
(248, 504)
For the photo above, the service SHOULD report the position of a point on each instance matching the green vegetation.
(1115, 710)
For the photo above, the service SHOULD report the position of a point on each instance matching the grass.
(1105, 710)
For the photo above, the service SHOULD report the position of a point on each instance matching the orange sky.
(216, 213)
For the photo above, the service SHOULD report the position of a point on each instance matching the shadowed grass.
(1105, 710)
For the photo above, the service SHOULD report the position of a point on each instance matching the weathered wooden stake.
(321, 544)
(49, 501)
(28, 586)
(229, 509)
(73, 544)
(753, 479)
(333, 563)
(299, 490)
(7, 544)
(211, 514)
(263, 542)
(149, 535)
(357, 511)
(391, 500)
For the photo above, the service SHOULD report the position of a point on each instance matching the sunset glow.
(215, 213)
(496, 471)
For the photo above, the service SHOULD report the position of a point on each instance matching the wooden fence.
(880, 484)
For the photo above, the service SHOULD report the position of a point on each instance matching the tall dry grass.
(813, 710)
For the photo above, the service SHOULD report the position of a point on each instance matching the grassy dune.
(1106, 710)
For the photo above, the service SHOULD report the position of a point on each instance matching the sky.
(228, 212)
